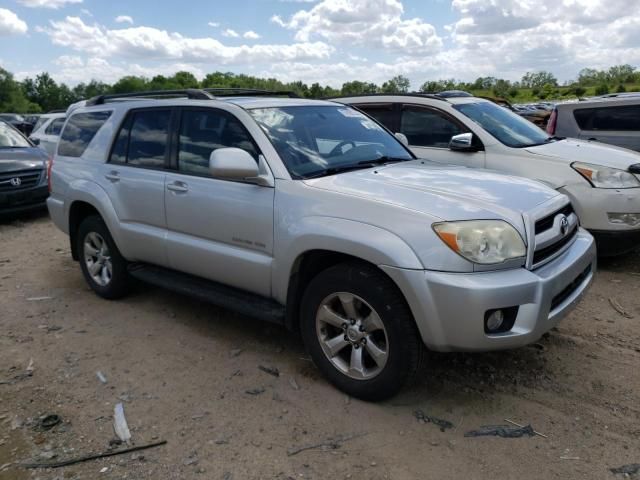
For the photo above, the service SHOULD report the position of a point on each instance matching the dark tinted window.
(202, 132)
(385, 114)
(622, 118)
(142, 139)
(79, 131)
(427, 128)
(55, 127)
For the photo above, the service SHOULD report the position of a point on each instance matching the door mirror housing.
(403, 138)
(35, 141)
(463, 142)
(232, 164)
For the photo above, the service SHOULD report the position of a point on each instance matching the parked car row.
(375, 225)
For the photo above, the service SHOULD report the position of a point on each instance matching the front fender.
(367, 242)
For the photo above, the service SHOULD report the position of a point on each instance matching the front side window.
(11, 138)
(504, 125)
(202, 132)
(384, 113)
(622, 118)
(143, 138)
(323, 140)
(425, 127)
(55, 127)
(79, 131)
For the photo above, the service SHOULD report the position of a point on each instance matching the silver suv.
(312, 215)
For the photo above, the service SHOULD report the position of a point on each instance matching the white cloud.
(149, 43)
(251, 35)
(10, 23)
(54, 4)
(371, 23)
(213, 24)
(86, 12)
(124, 19)
(230, 33)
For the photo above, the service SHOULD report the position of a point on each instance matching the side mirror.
(462, 143)
(232, 164)
(403, 138)
(35, 141)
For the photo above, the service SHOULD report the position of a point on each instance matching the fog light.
(630, 219)
(495, 320)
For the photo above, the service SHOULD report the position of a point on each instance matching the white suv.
(602, 181)
(309, 214)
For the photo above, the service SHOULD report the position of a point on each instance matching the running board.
(240, 301)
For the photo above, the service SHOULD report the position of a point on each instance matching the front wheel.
(359, 331)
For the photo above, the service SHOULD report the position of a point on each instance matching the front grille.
(569, 289)
(550, 250)
(546, 223)
(13, 181)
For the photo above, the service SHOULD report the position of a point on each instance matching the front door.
(217, 229)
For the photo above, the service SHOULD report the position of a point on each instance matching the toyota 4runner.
(312, 215)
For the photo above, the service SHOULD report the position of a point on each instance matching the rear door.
(217, 229)
(51, 135)
(134, 178)
(616, 125)
(429, 131)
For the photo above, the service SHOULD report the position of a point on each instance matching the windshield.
(506, 126)
(322, 140)
(10, 138)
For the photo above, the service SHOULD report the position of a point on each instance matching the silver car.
(311, 215)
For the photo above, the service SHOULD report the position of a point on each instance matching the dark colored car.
(18, 122)
(23, 172)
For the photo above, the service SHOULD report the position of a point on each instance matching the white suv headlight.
(482, 241)
(605, 177)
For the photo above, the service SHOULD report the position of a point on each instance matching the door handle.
(178, 187)
(113, 176)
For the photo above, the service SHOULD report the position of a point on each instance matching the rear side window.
(55, 127)
(424, 127)
(383, 113)
(622, 118)
(143, 138)
(202, 132)
(79, 131)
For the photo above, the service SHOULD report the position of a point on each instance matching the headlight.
(482, 241)
(606, 177)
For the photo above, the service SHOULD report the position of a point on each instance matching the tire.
(95, 246)
(375, 302)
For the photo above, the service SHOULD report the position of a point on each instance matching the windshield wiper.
(358, 166)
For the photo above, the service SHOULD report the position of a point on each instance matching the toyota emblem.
(564, 225)
(15, 182)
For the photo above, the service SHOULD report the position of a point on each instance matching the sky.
(325, 41)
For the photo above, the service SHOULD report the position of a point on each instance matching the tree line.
(43, 93)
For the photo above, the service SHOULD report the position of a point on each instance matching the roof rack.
(412, 94)
(190, 93)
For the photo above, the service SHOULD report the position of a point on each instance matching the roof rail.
(434, 96)
(191, 93)
(249, 92)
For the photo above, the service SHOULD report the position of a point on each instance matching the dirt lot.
(182, 370)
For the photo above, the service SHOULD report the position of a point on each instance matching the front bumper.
(23, 200)
(449, 308)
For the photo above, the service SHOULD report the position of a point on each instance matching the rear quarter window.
(622, 118)
(55, 127)
(79, 131)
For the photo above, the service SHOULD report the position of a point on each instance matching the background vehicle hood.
(14, 159)
(572, 150)
(444, 191)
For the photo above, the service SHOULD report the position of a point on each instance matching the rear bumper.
(450, 308)
(23, 200)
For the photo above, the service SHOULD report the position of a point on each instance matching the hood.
(443, 191)
(14, 159)
(572, 150)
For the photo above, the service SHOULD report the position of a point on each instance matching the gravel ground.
(182, 370)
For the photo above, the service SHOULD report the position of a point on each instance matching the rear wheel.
(103, 267)
(359, 331)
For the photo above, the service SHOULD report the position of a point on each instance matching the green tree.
(358, 88)
(130, 84)
(621, 89)
(602, 89)
(538, 79)
(12, 98)
(398, 84)
(44, 91)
